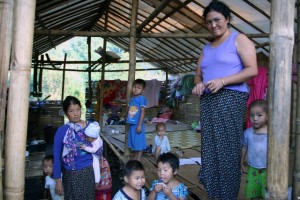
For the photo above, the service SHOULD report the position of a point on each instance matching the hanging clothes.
(258, 88)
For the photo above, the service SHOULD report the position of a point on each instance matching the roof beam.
(56, 62)
(169, 14)
(142, 35)
(154, 14)
(98, 70)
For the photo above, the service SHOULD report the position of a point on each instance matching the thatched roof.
(171, 33)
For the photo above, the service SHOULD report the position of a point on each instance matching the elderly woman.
(73, 167)
(223, 68)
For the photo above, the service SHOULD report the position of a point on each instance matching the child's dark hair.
(169, 158)
(132, 165)
(70, 100)
(219, 7)
(48, 157)
(261, 103)
(139, 82)
(160, 124)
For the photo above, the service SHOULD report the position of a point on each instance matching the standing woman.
(73, 167)
(223, 67)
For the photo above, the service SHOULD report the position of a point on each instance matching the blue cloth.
(121, 195)
(83, 159)
(257, 148)
(134, 111)
(222, 61)
(136, 141)
(180, 191)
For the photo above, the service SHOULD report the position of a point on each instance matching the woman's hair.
(219, 7)
(132, 165)
(169, 158)
(68, 101)
(261, 103)
(139, 82)
(160, 124)
(49, 158)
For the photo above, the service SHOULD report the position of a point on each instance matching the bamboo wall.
(43, 120)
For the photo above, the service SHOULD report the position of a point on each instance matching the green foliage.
(75, 82)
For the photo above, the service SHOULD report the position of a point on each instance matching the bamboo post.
(296, 172)
(132, 63)
(18, 101)
(103, 71)
(281, 51)
(89, 71)
(6, 23)
(166, 86)
(35, 72)
(63, 79)
(40, 88)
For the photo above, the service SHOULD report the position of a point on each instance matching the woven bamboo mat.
(180, 139)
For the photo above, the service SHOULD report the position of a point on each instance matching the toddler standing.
(134, 177)
(167, 187)
(92, 135)
(161, 141)
(136, 113)
(255, 142)
(49, 180)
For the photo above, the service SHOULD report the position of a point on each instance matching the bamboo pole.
(166, 86)
(89, 70)
(103, 70)
(59, 62)
(18, 101)
(63, 79)
(279, 96)
(6, 23)
(132, 62)
(296, 172)
(40, 88)
(142, 35)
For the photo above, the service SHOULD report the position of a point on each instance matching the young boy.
(167, 186)
(134, 177)
(161, 141)
(136, 113)
(255, 142)
(49, 181)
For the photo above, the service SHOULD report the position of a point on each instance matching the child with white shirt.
(255, 143)
(161, 141)
(49, 180)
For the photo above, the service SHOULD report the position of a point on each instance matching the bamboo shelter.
(18, 102)
(169, 34)
(296, 172)
(6, 12)
(281, 43)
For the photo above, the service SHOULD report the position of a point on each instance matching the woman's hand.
(215, 85)
(198, 89)
(59, 189)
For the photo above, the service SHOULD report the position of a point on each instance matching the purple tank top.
(222, 61)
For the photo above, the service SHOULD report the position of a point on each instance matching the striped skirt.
(79, 184)
(222, 125)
